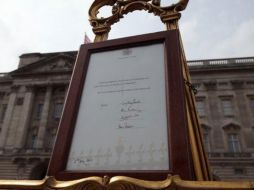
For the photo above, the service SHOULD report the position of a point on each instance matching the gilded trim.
(123, 183)
(101, 26)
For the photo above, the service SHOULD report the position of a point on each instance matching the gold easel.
(101, 27)
(169, 16)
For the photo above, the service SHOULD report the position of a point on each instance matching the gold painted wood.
(101, 26)
(123, 183)
(200, 161)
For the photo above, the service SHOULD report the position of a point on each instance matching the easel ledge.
(123, 183)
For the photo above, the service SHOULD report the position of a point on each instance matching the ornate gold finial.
(101, 26)
(105, 180)
(156, 2)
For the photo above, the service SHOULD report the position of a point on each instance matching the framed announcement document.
(124, 113)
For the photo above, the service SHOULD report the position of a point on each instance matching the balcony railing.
(230, 154)
(211, 62)
(4, 76)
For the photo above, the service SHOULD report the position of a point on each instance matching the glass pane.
(4, 108)
(39, 110)
(201, 108)
(129, 106)
(207, 142)
(233, 143)
(252, 104)
(58, 110)
(227, 107)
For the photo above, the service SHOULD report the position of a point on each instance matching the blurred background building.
(32, 99)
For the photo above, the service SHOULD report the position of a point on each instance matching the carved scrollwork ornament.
(123, 183)
(101, 26)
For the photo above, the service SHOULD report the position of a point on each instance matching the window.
(207, 142)
(58, 110)
(252, 104)
(51, 141)
(52, 138)
(33, 141)
(3, 110)
(233, 143)
(39, 110)
(227, 107)
(32, 138)
(206, 137)
(239, 171)
(201, 108)
(19, 101)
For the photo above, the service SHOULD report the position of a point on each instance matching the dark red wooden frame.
(179, 148)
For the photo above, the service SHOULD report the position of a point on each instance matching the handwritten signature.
(82, 161)
(129, 116)
(125, 126)
(130, 109)
(131, 102)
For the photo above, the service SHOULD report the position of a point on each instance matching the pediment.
(233, 125)
(205, 127)
(59, 63)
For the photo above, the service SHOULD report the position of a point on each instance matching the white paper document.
(122, 123)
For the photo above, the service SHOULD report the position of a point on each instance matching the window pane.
(58, 110)
(206, 142)
(252, 104)
(201, 107)
(19, 101)
(32, 138)
(233, 143)
(239, 171)
(51, 141)
(39, 110)
(3, 110)
(227, 107)
(51, 136)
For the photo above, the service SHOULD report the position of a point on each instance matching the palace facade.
(32, 99)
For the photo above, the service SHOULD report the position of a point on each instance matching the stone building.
(225, 105)
(31, 102)
(32, 98)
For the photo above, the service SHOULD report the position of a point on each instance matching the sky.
(210, 28)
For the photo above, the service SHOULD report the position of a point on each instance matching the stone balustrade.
(229, 61)
(230, 155)
(4, 76)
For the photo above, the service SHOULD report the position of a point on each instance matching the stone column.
(44, 118)
(25, 118)
(8, 117)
